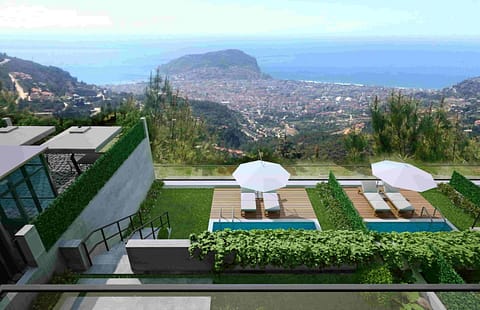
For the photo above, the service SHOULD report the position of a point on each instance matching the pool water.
(408, 226)
(308, 225)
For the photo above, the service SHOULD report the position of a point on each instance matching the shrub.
(458, 199)
(440, 271)
(351, 215)
(55, 220)
(375, 274)
(466, 187)
(317, 249)
(333, 210)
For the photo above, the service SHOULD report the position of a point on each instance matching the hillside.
(225, 64)
(469, 88)
(30, 74)
(222, 122)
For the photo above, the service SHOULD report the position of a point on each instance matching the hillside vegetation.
(54, 79)
(225, 64)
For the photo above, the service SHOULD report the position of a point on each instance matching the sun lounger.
(370, 192)
(271, 202)
(398, 200)
(248, 202)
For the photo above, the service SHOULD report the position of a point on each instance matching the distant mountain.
(30, 74)
(469, 88)
(226, 64)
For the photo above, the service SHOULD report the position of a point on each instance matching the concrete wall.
(121, 196)
(172, 256)
(164, 256)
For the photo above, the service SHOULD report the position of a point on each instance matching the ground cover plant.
(437, 197)
(188, 208)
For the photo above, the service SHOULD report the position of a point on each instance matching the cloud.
(33, 17)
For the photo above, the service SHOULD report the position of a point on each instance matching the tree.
(176, 136)
(356, 145)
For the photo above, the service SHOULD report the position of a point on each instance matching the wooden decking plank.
(294, 204)
(367, 212)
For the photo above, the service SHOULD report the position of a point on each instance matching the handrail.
(440, 213)
(426, 212)
(119, 232)
(476, 220)
(150, 224)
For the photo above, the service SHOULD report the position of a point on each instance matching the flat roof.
(14, 156)
(24, 135)
(82, 139)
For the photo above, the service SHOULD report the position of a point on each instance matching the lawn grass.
(319, 209)
(188, 209)
(457, 216)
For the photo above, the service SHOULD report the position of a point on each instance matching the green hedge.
(55, 220)
(334, 213)
(317, 249)
(458, 199)
(466, 187)
(440, 271)
(354, 220)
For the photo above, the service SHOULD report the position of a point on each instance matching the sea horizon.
(405, 63)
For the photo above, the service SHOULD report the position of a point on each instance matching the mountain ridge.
(224, 64)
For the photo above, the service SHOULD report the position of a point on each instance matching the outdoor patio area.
(367, 212)
(294, 204)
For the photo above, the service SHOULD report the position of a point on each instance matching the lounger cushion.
(271, 205)
(402, 205)
(271, 202)
(379, 206)
(369, 187)
(248, 202)
(373, 196)
(395, 196)
(390, 189)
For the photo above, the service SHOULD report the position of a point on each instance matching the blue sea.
(418, 63)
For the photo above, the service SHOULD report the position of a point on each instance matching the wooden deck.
(294, 204)
(367, 212)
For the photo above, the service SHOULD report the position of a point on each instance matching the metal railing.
(475, 221)
(155, 225)
(424, 210)
(118, 231)
(440, 213)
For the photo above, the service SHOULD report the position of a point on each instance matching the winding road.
(18, 87)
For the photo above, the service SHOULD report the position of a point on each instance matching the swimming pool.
(308, 225)
(414, 226)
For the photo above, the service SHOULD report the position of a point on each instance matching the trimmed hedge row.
(354, 219)
(318, 249)
(333, 210)
(458, 199)
(56, 219)
(465, 187)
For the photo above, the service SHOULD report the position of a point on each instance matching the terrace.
(192, 207)
(294, 204)
(416, 200)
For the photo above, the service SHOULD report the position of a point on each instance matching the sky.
(300, 18)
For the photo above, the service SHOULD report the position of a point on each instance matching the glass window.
(4, 191)
(32, 169)
(30, 207)
(35, 161)
(15, 176)
(46, 203)
(9, 207)
(23, 191)
(41, 185)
